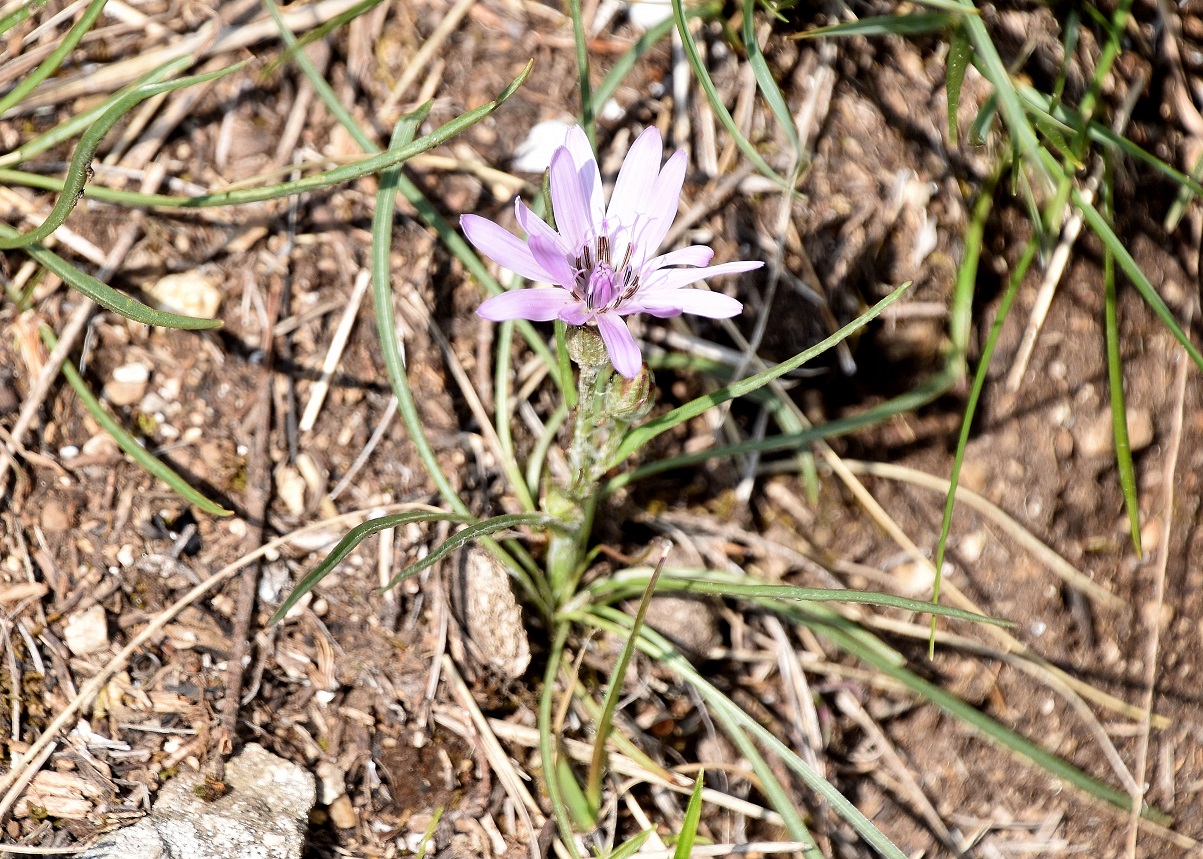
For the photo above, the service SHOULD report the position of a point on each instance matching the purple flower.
(601, 260)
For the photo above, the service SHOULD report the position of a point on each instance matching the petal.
(635, 179)
(537, 305)
(624, 351)
(576, 314)
(699, 302)
(662, 203)
(586, 170)
(568, 200)
(503, 247)
(550, 257)
(675, 278)
(693, 255)
(536, 226)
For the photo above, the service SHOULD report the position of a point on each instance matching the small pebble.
(342, 813)
(87, 632)
(190, 293)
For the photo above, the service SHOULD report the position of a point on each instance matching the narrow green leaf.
(1101, 229)
(106, 296)
(630, 847)
(548, 746)
(980, 127)
(979, 381)
(646, 41)
(693, 816)
(641, 436)
(593, 785)
(1115, 379)
(631, 583)
(716, 103)
(767, 83)
(959, 54)
(20, 14)
(316, 34)
(81, 160)
(148, 461)
(79, 122)
(933, 388)
(913, 24)
(588, 106)
(347, 545)
(473, 532)
(55, 59)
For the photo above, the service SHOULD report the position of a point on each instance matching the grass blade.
(959, 54)
(693, 816)
(622, 586)
(614, 691)
(975, 393)
(49, 65)
(1114, 246)
(348, 543)
(913, 24)
(473, 532)
(81, 160)
(720, 109)
(1115, 382)
(766, 81)
(109, 298)
(641, 436)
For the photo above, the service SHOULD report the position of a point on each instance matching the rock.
(290, 486)
(690, 624)
(55, 516)
(263, 816)
(1093, 437)
(127, 385)
(87, 632)
(342, 813)
(190, 293)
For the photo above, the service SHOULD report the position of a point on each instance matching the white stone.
(263, 816)
(87, 632)
(290, 486)
(190, 293)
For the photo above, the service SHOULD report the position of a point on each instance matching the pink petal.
(693, 255)
(674, 302)
(576, 314)
(635, 179)
(675, 278)
(501, 246)
(568, 200)
(536, 226)
(537, 305)
(586, 169)
(662, 202)
(550, 257)
(624, 351)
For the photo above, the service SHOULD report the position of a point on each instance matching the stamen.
(603, 249)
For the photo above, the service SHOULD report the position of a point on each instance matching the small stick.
(1153, 611)
(317, 394)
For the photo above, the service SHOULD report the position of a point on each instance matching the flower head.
(601, 261)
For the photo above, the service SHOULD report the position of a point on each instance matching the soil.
(354, 680)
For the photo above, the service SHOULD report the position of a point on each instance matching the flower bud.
(586, 348)
(630, 400)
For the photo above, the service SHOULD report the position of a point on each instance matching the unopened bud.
(586, 348)
(631, 400)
